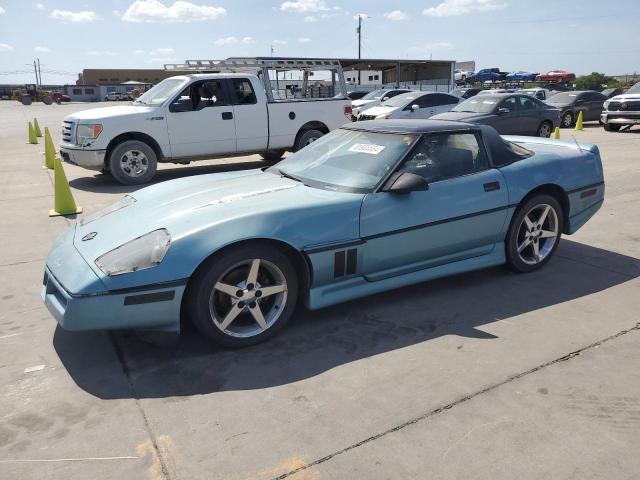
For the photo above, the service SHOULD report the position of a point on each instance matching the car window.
(508, 103)
(243, 92)
(446, 155)
(438, 99)
(393, 93)
(527, 103)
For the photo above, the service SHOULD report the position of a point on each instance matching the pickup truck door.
(200, 120)
(460, 216)
(251, 116)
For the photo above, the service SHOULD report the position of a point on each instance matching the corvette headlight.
(125, 202)
(141, 253)
(85, 132)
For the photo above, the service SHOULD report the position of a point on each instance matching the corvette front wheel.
(243, 296)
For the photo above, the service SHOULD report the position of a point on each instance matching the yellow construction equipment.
(36, 128)
(32, 135)
(579, 126)
(49, 150)
(556, 133)
(64, 204)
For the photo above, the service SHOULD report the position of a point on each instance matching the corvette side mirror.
(403, 183)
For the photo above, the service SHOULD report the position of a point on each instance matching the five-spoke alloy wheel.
(534, 233)
(244, 295)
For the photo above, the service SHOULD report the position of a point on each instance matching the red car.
(556, 76)
(60, 97)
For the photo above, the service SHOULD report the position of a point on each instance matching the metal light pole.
(359, 31)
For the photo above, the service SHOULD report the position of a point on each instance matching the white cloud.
(92, 52)
(109, 53)
(39, 6)
(42, 49)
(310, 18)
(139, 52)
(5, 47)
(429, 48)
(279, 42)
(304, 40)
(450, 8)
(304, 6)
(396, 15)
(226, 41)
(162, 60)
(152, 11)
(248, 40)
(2, 10)
(164, 51)
(74, 17)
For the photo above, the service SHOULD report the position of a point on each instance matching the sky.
(68, 35)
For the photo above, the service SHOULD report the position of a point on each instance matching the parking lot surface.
(487, 374)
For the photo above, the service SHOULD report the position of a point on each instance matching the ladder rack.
(236, 64)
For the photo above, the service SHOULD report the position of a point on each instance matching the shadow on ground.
(315, 342)
(105, 183)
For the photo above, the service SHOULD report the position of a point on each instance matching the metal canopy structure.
(395, 71)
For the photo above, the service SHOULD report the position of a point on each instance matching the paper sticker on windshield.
(369, 148)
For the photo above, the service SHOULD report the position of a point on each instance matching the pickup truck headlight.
(141, 253)
(605, 105)
(86, 132)
(125, 202)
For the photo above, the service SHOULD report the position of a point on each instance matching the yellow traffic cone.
(64, 204)
(49, 150)
(579, 126)
(556, 133)
(32, 135)
(36, 128)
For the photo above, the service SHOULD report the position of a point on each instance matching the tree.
(595, 81)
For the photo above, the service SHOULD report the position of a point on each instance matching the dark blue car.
(521, 76)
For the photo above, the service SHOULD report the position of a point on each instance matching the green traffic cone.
(36, 128)
(64, 204)
(49, 150)
(32, 135)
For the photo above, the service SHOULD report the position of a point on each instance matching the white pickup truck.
(199, 116)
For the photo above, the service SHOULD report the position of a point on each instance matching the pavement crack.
(459, 401)
(154, 440)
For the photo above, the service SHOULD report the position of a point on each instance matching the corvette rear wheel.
(534, 233)
(244, 296)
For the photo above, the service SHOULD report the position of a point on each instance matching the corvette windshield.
(346, 160)
(158, 94)
(484, 104)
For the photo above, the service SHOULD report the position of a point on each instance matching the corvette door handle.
(227, 115)
(490, 187)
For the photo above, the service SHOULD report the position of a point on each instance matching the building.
(96, 93)
(115, 76)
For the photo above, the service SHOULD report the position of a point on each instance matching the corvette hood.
(109, 112)
(232, 206)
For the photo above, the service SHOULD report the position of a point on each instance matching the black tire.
(545, 129)
(125, 175)
(272, 156)
(307, 137)
(514, 260)
(47, 100)
(566, 121)
(612, 127)
(201, 290)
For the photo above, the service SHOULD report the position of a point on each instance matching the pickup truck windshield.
(634, 89)
(159, 94)
(346, 160)
(477, 104)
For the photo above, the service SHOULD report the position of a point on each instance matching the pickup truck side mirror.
(180, 107)
(415, 108)
(407, 182)
(502, 111)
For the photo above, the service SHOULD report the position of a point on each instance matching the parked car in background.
(622, 110)
(508, 113)
(372, 206)
(465, 92)
(374, 98)
(556, 76)
(60, 97)
(555, 87)
(411, 105)
(493, 91)
(521, 76)
(612, 92)
(589, 102)
(539, 93)
(461, 75)
(116, 96)
(192, 117)
(488, 75)
(353, 94)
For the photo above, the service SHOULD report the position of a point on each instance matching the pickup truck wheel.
(133, 162)
(534, 233)
(609, 127)
(244, 296)
(544, 130)
(567, 119)
(272, 156)
(306, 138)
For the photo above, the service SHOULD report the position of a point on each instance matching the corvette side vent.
(345, 262)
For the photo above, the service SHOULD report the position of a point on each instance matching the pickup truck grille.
(624, 107)
(362, 117)
(67, 132)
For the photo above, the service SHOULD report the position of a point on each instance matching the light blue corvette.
(369, 207)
